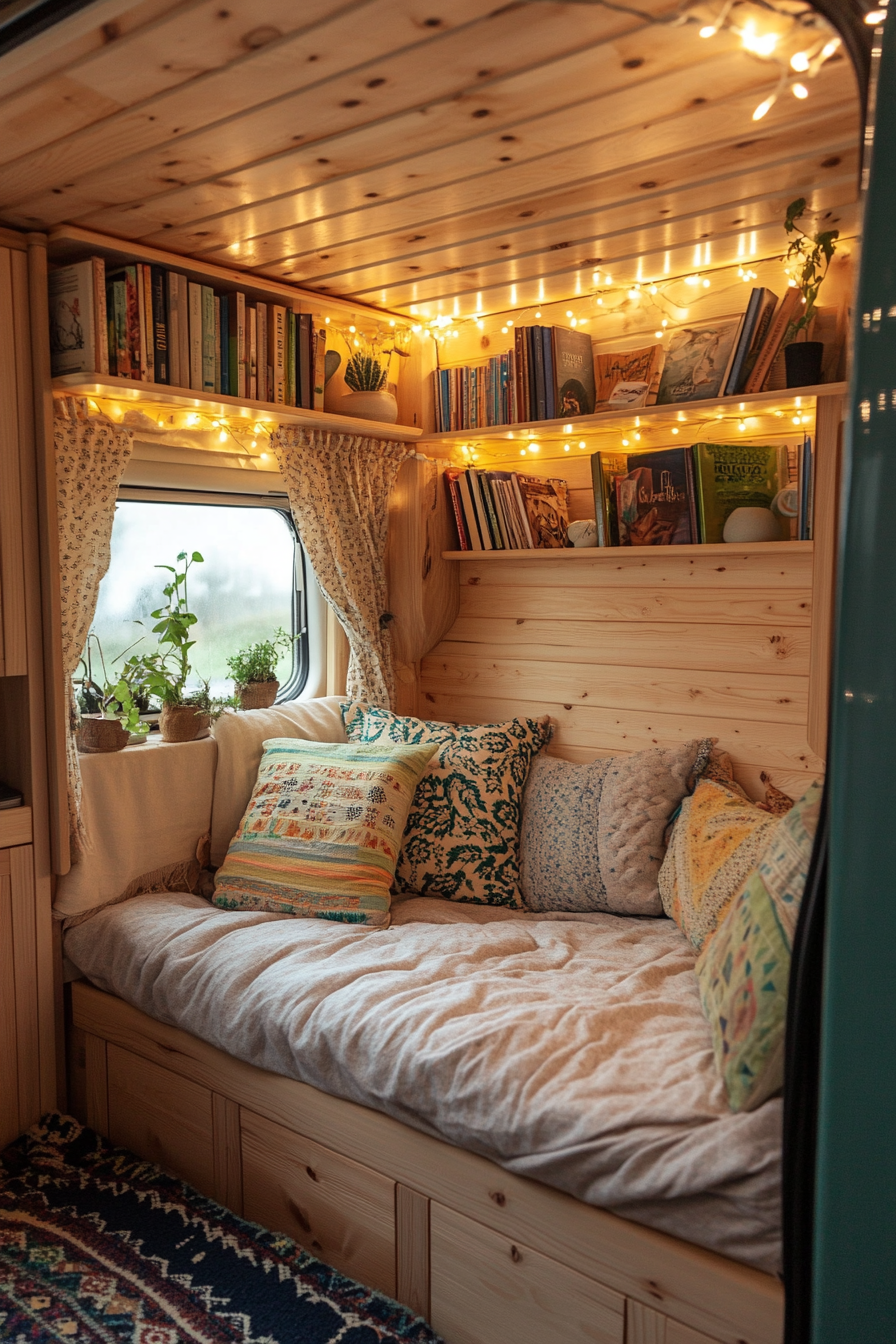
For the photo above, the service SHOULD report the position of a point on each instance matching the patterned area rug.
(96, 1245)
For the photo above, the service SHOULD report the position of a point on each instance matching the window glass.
(243, 592)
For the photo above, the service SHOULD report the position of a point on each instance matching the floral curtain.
(338, 486)
(91, 456)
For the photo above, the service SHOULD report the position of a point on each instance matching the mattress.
(569, 1049)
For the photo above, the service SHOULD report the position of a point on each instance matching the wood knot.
(473, 581)
(312, 1173)
(299, 1214)
(515, 1255)
(520, 620)
(654, 1289)
(499, 1197)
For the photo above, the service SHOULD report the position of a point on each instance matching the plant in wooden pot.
(808, 258)
(164, 672)
(114, 716)
(367, 376)
(254, 671)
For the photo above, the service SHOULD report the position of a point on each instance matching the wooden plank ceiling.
(427, 156)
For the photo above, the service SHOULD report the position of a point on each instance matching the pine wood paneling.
(13, 640)
(163, 1117)
(488, 1289)
(412, 1249)
(227, 1153)
(339, 1210)
(745, 606)
(9, 1091)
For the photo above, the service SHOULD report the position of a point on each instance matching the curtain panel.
(338, 487)
(91, 456)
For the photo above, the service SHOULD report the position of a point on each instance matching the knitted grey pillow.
(593, 836)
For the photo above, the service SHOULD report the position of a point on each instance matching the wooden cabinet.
(487, 1289)
(20, 1102)
(339, 1210)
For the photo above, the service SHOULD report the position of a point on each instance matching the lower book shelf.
(609, 553)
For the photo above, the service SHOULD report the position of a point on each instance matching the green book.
(605, 467)
(731, 476)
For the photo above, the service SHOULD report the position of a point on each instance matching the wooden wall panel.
(629, 650)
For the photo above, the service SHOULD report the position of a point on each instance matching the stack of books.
(677, 496)
(507, 511)
(548, 375)
(154, 325)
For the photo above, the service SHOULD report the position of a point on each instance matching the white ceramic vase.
(750, 524)
(380, 406)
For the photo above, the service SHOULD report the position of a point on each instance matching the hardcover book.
(605, 467)
(450, 476)
(574, 392)
(261, 320)
(547, 510)
(277, 353)
(208, 338)
(159, 324)
(123, 286)
(194, 301)
(639, 370)
(785, 313)
(731, 476)
(698, 361)
(73, 318)
(653, 499)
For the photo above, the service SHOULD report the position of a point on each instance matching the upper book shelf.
(762, 413)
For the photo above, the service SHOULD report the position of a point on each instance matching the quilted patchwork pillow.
(593, 836)
(462, 835)
(716, 843)
(744, 969)
(322, 831)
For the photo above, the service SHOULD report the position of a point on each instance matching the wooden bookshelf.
(15, 827)
(260, 412)
(684, 416)
(614, 553)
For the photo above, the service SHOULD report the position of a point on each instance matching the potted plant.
(164, 672)
(113, 711)
(366, 376)
(254, 671)
(808, 258)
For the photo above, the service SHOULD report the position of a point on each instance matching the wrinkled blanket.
(572, 1050)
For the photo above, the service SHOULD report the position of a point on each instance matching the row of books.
(506, 510)
(155, 325)
(552, 374)
(667, 497)
(676, 496)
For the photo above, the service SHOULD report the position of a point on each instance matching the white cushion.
(240, 737)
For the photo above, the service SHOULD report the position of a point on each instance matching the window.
(251, 583)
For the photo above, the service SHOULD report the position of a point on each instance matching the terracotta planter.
(257, 694)
(380, 406)
(181, 723)
(97, 734)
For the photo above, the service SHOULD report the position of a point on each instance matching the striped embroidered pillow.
(322, 832)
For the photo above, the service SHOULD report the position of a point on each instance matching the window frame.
(293, 688)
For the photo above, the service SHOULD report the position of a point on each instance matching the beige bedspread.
(569, 1049)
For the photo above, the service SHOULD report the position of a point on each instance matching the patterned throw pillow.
(593, 836)
(716, 843)
(744, 969)
(322, 831)
(462, 836)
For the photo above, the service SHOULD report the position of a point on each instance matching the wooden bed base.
(486, 1256)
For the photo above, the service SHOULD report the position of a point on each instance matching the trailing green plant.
(212, 705)
(115, 698)
(364, 373)
(164, 672)
(808, 257)
(258, 662)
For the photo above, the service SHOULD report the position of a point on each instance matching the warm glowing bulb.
(674, 429)
(522, 452)
(391, 322)
(510, 321)
(796, 419)
(481, 325)
(799, 61)
(653, 289)
(581, 443)
(658, 335)
(829, 48)
(633, 293)
(353, 329)
(741, 426)
(608, 279)
(534, 447)
(625, 443)
(327, 321)
(708, 30)
(254, 443)
(192, 420)
(800, 91)
(215, 423)
(538, 314)
(503, 331)
(638, 438)
(601, 302)
(566, 447)
(875, 16)
(763, 108)
(569, 312)
(760, 45)
(573, 322)
(706, 284)
(222, 437)
(692, 279)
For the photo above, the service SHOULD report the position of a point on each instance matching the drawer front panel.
(487, 1289)
(161, 1116)
(339, 1210)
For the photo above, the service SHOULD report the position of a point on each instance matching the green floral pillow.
(744, 968)
(462, 836)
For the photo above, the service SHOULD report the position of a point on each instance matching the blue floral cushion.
(462, 835)
(593, 836)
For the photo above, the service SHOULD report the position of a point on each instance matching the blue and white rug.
(98, 1247)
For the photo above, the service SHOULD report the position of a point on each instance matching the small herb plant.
(364, 373)
(368, 366)
(808, 257)
(258, 662)
(212, 705)
(114, 699)
(164, 673)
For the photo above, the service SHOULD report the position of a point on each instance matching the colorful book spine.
(159, 324)
(320, 363)
(175, 375)
(277, 354)
(226, 352)
(217, 344)
(251, 354)
(450, 476)
(261, 321)
(194, 295)
(208, 338)
(304, 386)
